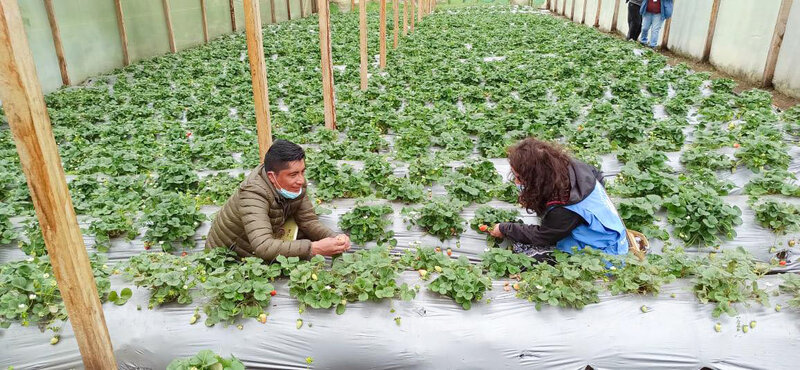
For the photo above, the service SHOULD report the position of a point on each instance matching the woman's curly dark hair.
(543, 168)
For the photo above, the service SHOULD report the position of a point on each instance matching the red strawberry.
(736, 145)
(782, 263)
(184, 254)
(483, 228)
(449, 252)
(273, 293)
(188, 133)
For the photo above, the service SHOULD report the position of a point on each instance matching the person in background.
(568, 197)
(654, 13)
(270, 214)
(634, 19)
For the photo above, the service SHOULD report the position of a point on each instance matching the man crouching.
(270, 213)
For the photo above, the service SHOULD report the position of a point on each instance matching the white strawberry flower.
(32, 296)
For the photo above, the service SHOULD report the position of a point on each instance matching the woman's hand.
(495, 232)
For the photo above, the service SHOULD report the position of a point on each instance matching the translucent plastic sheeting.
(435, 333)
(591, 11)
(689, 27)
(606, 15)
(741, 43)
(40, 41)
(787, 78)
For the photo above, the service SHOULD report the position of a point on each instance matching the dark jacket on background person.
(666, 9)
(250, 222)
(558, 222)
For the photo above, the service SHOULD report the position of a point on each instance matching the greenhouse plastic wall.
(90, 33)
(740, 44)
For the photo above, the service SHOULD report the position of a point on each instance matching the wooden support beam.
(665, 36)
(62, 63)
(258, 73)
(302, 9)
(123, 35)
(382, 36)
(419, 11)
(564, 8)
(597, 16)
(233, 15)
(353, 4)
(405, 17)
(205, 20)
(572, 12)
(777, 41)
(413, 19)
(547, 5)
(26, 112)
(272, 18)
(288, 11)
(583, 18)
(168, 20)
(362, 37)
(327, 63)
(615, 19)
(396, 12)
(313, 7)
(712, 27)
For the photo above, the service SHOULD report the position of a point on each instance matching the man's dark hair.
(280, 154)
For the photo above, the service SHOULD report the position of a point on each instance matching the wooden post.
(326, 60)
(382, 31)
(272, 17)
(313, 7)
(62, 63)
(665, 37)
(583, 18)
(419, 11)
(572, 12)
(258, 73)
(123, 35)
(712, 27)
(597, 16)
(396, 12)
(777, 41)
(288, 11)
(413, 19)
(30, 126)
(615, 19)
(205, 20)
(564, 8)
(233, 15)
(302, 9)
(168, 20)
(353, 4)
(362, 37)
(547, 5)
(405, 17)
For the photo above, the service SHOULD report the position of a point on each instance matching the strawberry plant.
(425, 170)
(461, 281)
(780, 217)
(216, 189)
(640, 214)
(176, 177)
(759, 153)
(635, 276)
(7, 232)
(169, 278)
(206, 360)
(700, 215)
(240, 290)
(676, 262)
(507, 192)
(29, 294)
(481, 170)
(633, 181)
(777, 182)
(468, 189)
(490, 216)
(791, 285)
(500, 263)
(402, 189)
(423, 258)
(439, 217)
(365, 223)
(112, 226)
(171, 218)
(33, 243)
(729, 278)
(570, 282)
(700, 157)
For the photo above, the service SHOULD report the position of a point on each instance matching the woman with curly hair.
(570, 200)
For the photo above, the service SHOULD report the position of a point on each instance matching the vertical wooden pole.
(168, 20)
(272, 18)
(547, 5)
(615, 19)
(777, 41)
(382, 31)
(30, 126)
(326, 60)
(413, 19)
(123, 35)
(583, 18)
(62, 62)
(597, 16)
(313, 7)
(555, 6)
(362, 37)
(419, 11)
(353, 4)
(233, 15)
(712, 27)
(258, 73)
(302, 9)
(572, 11)
(405, 17)
(564, 8)
(665, 36)
(205, 20)
(288, 11)
(396, 12)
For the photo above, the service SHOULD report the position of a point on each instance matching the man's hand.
(495, 232)
(330, 246)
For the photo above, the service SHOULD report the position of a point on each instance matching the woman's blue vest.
(603, 229)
